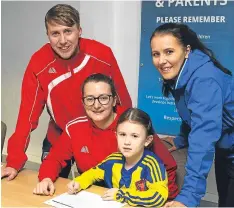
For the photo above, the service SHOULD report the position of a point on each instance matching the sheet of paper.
(83, 199)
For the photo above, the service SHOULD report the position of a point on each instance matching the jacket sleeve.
(155, 196)
(181, 140)
(56, 159)
(162, 152)
(31, 107)
(89, 177)
(205, 105)
(105, 54)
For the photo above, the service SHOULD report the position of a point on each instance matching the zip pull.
(68, 68)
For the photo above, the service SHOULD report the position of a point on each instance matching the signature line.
(62, 203)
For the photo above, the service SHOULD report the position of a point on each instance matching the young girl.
(134, 175)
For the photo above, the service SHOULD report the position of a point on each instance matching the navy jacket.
(204, 97)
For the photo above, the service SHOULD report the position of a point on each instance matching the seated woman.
(134, 175)
(91, 138)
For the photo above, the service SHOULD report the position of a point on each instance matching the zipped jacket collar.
(195, 60)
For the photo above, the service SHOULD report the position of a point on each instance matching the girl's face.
(168, 55)
(132, 139)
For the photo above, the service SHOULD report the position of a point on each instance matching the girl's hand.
(73, 187)
(109, 195)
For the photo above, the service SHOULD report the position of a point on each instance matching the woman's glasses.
(102, 99)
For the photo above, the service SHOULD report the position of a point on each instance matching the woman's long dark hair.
(186, 36)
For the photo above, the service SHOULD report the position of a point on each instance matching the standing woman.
(204, 95)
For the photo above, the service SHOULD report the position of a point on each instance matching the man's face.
(63, 39)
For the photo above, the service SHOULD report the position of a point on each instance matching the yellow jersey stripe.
(136, 176)
(114, 156)
(158, 167)
(149, 200)
(117, 167)
(152, 170)
(155, 165)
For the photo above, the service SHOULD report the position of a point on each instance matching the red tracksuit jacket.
(56, 83)
(90, 145)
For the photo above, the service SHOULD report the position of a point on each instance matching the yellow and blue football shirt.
(145, 184)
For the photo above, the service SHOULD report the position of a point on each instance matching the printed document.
(83, 199)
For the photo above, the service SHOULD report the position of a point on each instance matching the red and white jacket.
(90, 145)
(56, 83)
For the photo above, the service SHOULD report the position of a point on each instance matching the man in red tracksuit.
(53, 78)
(90, 139)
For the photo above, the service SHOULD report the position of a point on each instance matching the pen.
(62, 203)
(72, 170)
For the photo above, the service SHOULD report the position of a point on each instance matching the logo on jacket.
(141, 185)
(52, 70)
(84, 149)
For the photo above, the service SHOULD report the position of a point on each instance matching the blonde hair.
(63, 14)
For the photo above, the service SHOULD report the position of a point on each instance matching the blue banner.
(212, 20)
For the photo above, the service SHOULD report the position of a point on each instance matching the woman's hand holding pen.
(45, 187)
(73, 187)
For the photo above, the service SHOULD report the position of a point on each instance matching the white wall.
(115, 23)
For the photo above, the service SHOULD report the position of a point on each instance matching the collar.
(194, 61)
(73, 62)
